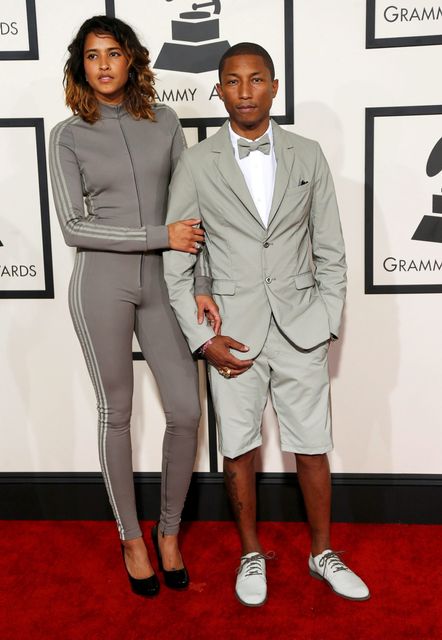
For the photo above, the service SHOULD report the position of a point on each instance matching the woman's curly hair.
(140, 93)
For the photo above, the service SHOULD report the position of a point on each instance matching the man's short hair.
(247, 49)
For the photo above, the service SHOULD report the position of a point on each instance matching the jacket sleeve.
(203, 280)
(179, 266)
(328, 243)
(80, 230)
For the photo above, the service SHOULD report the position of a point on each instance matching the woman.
(116, 154)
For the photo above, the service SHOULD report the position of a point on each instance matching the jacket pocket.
(223, 287)
(304, 280)
(294, 189)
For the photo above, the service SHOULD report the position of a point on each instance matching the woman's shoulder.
(165, 113)
(63, 129)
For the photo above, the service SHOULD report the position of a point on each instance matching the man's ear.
(275, 87)
(219, 91)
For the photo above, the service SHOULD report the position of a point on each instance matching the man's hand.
(218, 354)
(208, 308)
(185, 235)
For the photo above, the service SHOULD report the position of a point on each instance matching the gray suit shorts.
(299, 384)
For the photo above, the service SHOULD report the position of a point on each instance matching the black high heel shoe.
(146, 587)
(175, 578)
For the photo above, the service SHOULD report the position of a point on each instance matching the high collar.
(112, 110)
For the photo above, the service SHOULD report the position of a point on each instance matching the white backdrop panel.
(408, 18)
(235, 26)
(403, 193)
(21, 259)
(13, 26)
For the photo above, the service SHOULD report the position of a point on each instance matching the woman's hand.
(185, 235)
(208, 308)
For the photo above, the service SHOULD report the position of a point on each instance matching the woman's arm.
(79, 230)
(179, 142)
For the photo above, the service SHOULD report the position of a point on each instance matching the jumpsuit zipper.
(140, 275)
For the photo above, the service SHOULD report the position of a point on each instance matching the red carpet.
(65, 580)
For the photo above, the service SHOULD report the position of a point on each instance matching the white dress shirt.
(259, 172)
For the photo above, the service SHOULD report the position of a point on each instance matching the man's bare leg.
(315, 482)
(239, 476)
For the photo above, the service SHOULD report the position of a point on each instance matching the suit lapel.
(232, 174)
(285, 156)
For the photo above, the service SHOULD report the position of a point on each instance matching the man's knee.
(243, 460)
(314, 461)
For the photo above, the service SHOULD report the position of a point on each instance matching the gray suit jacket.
(294, 269)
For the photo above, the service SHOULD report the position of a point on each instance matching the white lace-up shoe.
(329, 567)
(251, 583)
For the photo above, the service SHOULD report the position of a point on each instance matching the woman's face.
(106, 68)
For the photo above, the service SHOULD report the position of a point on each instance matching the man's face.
(247, 91)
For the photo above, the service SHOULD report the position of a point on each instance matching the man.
(267, 202)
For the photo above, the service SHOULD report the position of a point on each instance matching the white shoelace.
(252, 565)
(332, 560)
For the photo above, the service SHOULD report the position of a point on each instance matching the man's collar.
(234, 137)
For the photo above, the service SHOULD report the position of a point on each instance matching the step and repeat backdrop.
(363, 78)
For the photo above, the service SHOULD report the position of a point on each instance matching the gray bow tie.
(246, 146)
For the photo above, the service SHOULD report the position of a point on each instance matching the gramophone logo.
(430, 227)
(196, 46)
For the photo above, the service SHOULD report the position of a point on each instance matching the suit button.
(268, 280)
(266, 245)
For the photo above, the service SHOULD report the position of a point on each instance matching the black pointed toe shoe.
(146, 587)
(176, 578)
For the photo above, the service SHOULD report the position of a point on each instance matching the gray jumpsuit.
(121, 167)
